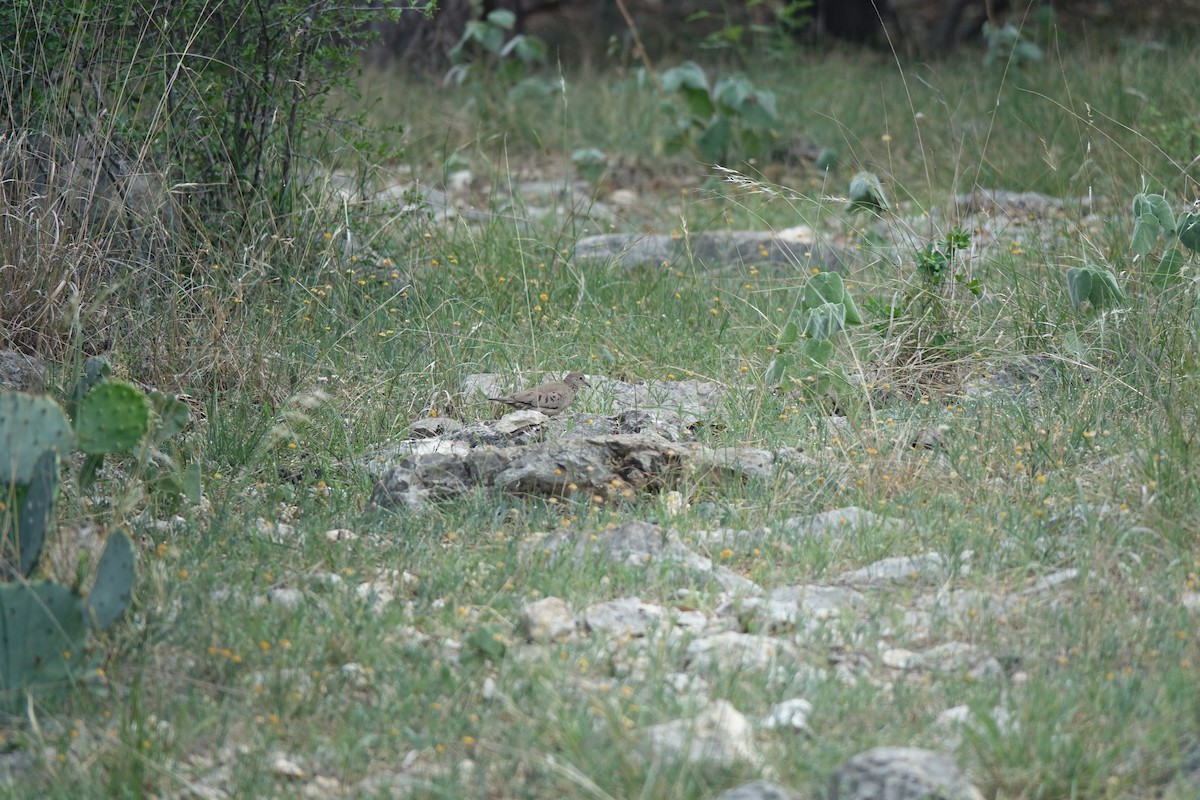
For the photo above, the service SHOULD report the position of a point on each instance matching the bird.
(549, 398)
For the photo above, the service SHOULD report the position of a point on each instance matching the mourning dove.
(548, 398)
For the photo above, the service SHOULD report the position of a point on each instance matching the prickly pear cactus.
(113, 588)
(171, 416)
(111, 418)
(96, 370)
(35, 515)
(29, 425)
(43, 637)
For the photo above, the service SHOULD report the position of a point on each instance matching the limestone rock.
(627, 617)
(757, 790)
(21, 373)
(901, 773)
(716, 250)
(791, 715)
(286, 596)
(732, 651)
(547, 619)
(898, 569)
(431, 427)
(718, 736)
(837, 521)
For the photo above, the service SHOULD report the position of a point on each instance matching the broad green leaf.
(699, 104)
(1162, 209)
(818, 351)
(714, 142)
(111, 593)
(689, 80)
(588, 155)
(1026, 52)
(853, 317)
(758, 110)
(1167, 270)
(111, 418)
(529, 89)
(827, 159)
(492, 38)
(824, 287)
(827, 287)
(1145, 234)
(732, 93)
(1140, 205)
(43, 637)
(591, 163)
(1104, 288)
(750, 143)
(528, 49)
(825, 321)
(502, 18)
(1074, 347)
(1188, 231)
(1079, 285)
(789, 335)
(778, 368)
(688, 75)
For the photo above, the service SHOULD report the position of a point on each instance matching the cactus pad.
(36, 514)
(96, 370)
(112, 590)
(111, 418)
(171, 416)
(29, 425)
(42, 636)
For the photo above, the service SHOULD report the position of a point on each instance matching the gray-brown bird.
(548, 398)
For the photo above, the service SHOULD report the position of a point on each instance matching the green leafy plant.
(806, 346)
(1155, 221)
(591, 164)
(487, 48)
(731, 117)
(1093, 285)
(496, 67)
(1007, 45)
(867, 194)
(774, 24)
(935, 259)
(921, 314)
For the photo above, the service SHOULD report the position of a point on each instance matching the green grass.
(314, 353)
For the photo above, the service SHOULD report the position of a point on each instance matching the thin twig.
(637, 43)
